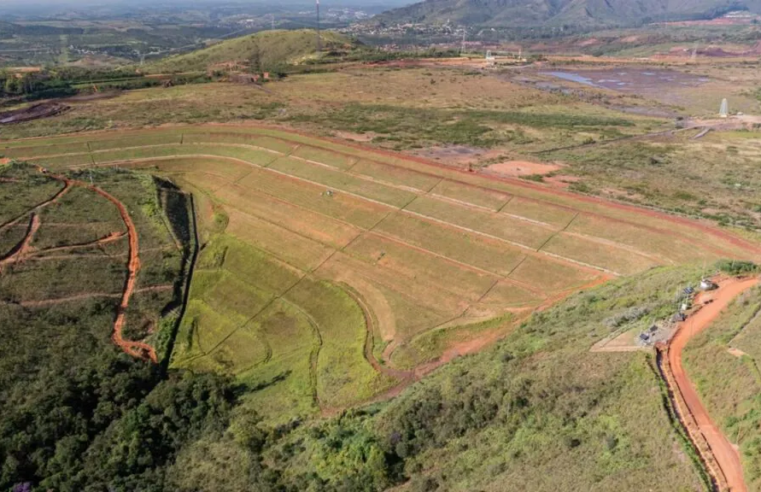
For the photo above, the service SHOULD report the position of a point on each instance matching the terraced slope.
(333, 273)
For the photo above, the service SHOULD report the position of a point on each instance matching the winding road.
(725, 453)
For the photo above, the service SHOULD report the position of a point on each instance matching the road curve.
(725, 454)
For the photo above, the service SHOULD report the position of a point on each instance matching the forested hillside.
(560, 13)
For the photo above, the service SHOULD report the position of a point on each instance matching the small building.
(679, 317)
(491, 60)
(708, 284)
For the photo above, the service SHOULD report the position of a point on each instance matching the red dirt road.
(23, 249)
(724, 452)
(135, 349)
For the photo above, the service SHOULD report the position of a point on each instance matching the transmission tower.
(319, 41)
(462, 45)
(694, 56)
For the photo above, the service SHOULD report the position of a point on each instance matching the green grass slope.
(536, 412)
(274, 48)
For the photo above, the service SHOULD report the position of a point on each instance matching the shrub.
(736, 267)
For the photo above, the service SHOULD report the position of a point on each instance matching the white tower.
(490, 59)
(724, 110)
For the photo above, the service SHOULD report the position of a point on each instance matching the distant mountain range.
(561, 12)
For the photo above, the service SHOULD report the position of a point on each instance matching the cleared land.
(67, 241)
(329, 270)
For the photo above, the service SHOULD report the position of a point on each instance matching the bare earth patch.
(458, 155)
(522, 168)
(356, 137)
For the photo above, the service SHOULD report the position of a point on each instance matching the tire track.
(37, 207)
(90, 295)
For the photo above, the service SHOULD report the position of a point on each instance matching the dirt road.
(727, 457)
(135, 349)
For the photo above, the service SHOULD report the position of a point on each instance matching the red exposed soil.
(23, 248)
(723, 452)
(709, 230)
(522, 168)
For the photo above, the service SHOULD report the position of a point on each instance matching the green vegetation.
(301, 281)
(539, 401)
(538, 410)
(678, 174)
(76, 411)
(423, 126)
(545, 15)
(267, 51)
(737, 267)
(65, 82)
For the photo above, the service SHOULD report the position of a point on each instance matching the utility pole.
(273, 22)
(319, 41)
(462, 45)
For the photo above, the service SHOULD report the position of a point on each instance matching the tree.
(255, 62)
(11, 86)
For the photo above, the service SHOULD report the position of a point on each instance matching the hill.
(328, 275)
(270, 48)
(410, 262)
(560, 12)
(539, 411)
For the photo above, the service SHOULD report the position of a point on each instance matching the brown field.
(414, 245)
